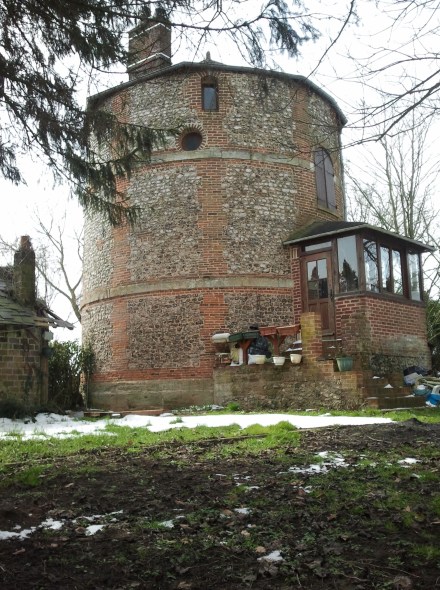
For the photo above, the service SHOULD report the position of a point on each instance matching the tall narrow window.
(391, 267)
(397, 273)
(348, 265)
(414, 276)
(325, 181)
(209, 95)
(386, 269)
(371, 266)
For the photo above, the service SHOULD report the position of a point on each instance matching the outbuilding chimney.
(24, 273)
(149, 45)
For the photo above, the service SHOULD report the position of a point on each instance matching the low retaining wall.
(299, 387)
(152, 394)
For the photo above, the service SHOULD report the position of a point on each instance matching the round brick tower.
(216, 202)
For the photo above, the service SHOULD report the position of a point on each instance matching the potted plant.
(278, 359)
(259, 359)
(344, 362)
(295, 357)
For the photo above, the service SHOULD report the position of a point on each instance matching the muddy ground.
(182, 516)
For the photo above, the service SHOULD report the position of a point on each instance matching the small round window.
(192, 141)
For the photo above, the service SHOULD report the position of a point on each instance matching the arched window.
(325, 182)
(209, 94)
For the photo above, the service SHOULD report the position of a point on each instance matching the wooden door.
(317, 288)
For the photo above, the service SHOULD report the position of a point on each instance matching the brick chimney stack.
(149, 45)
(24, 273)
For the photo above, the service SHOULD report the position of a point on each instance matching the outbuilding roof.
(13, 313)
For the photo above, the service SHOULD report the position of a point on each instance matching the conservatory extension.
(366, 284)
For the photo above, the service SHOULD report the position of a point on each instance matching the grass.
(14, 449)
(31, 477)
(365, 520)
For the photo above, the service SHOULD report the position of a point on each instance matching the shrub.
(69, 365)
(13, 408)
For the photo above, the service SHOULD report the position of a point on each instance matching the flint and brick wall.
(207, 254)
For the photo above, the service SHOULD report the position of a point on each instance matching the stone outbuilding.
(25, 331)
(242, 223)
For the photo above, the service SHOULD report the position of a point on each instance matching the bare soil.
(186, 517)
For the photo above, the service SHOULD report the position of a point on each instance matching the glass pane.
(414, 276)
(323, 281)
(209, 98)
(371, 266)
(348, 265)
(397, 273)
(317, 282)
(386, 269)
(312, 280)
(321, 245)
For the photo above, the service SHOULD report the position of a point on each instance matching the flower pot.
(279, 361)
(295, 358)
(220, 338)
(259, 359)
(345, 363)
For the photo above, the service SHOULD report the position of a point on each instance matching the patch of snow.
(24, 534)
(333, 457)
(408, 461)
(311, 469)
(168, 524)
(92, 529)
(54, 525)
(54, 425)
(242, 510)
(389, 386)
(274, 556)
(334, 460)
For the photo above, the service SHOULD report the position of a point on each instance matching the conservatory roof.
(327, 229)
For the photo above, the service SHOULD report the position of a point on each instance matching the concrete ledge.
(189, 284)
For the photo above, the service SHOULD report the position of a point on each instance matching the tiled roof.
(321, 228)
(12, 313)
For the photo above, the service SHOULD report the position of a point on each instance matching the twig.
(376, 439)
